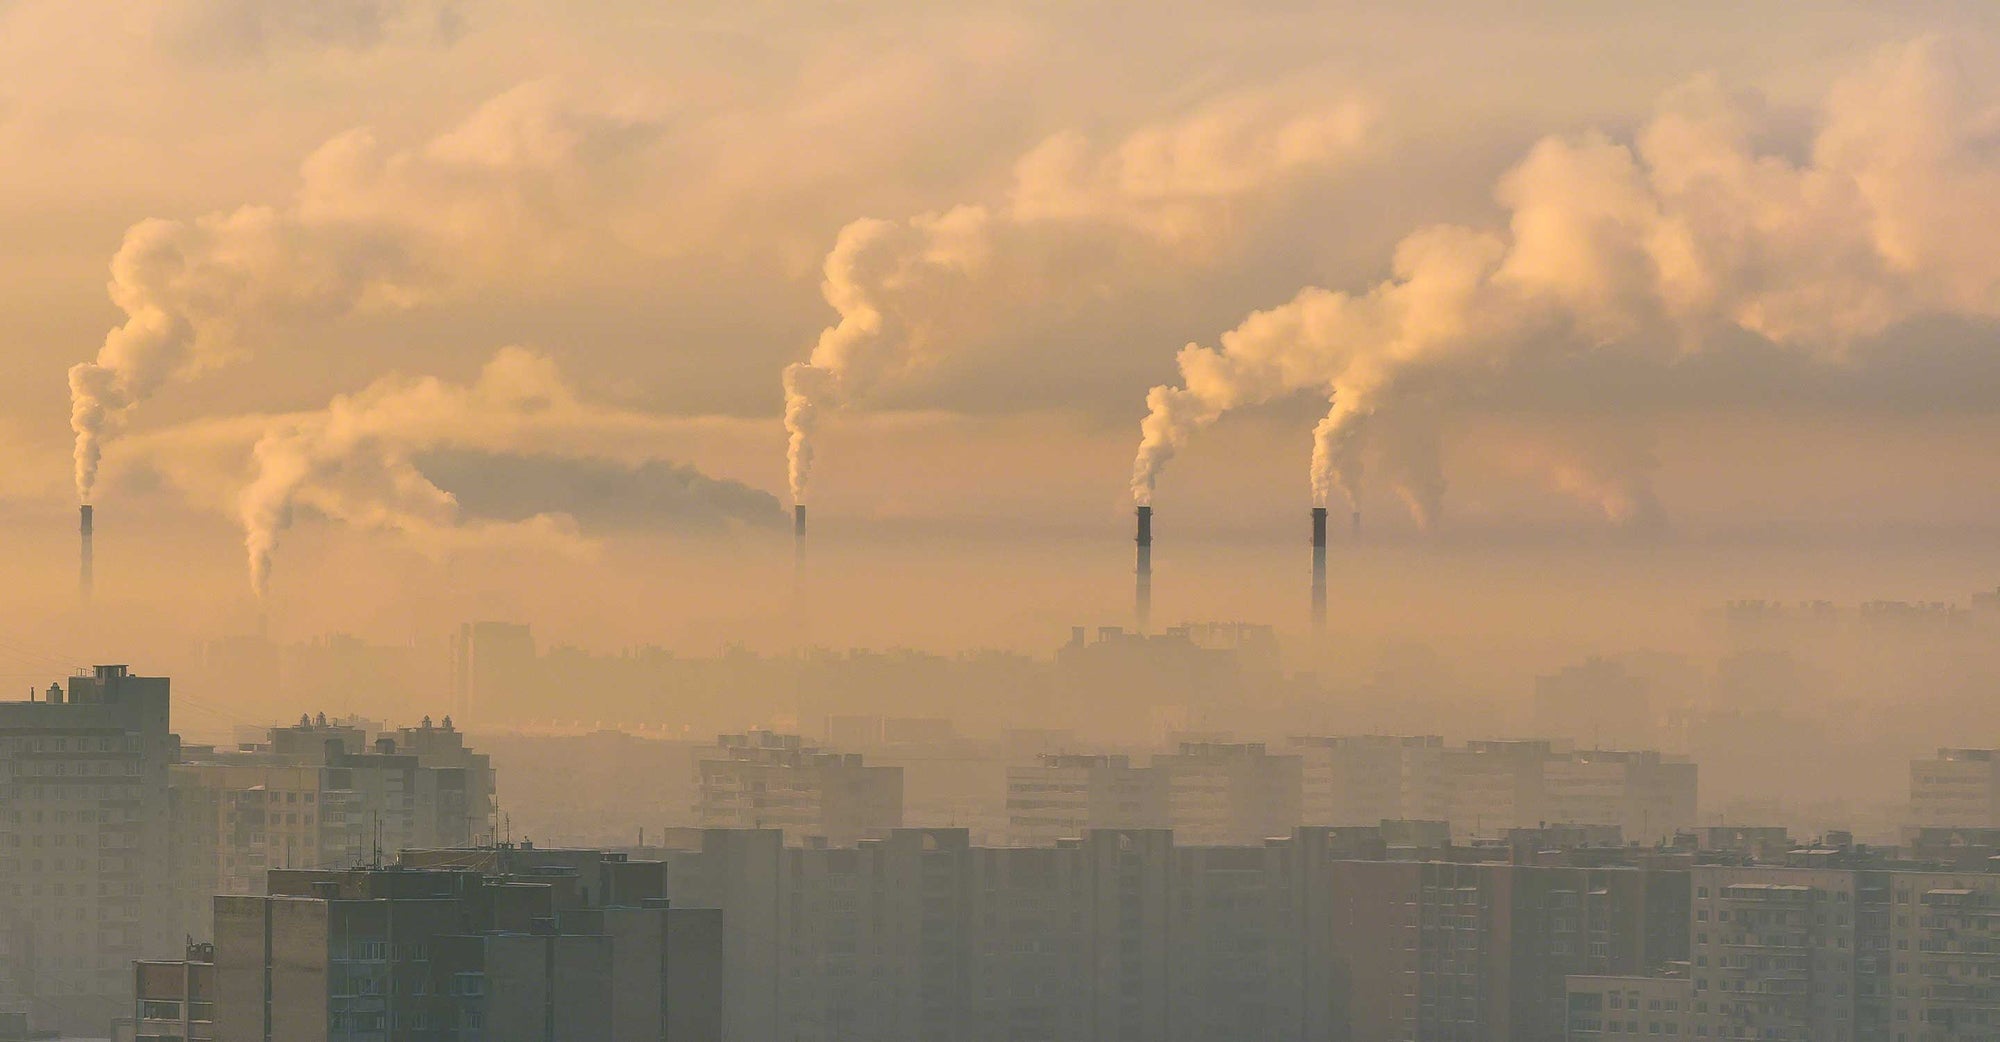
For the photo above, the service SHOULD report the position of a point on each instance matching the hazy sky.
(496, 297)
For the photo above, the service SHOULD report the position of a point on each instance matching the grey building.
(494, 944)
(83, 841)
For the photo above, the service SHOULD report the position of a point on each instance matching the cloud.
(648, 496)
(1687, 242)
(1079, 221)
(531, 180)
(537, 462)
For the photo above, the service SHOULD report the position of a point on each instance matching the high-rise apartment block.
(1366, 779)
(1660, 1007)
(1063, 795)
(1229, 793)
(83, 844)
(767, 780)
(494, 944)
(1867, 951)
(1494, 786)
(319, 795)
(1125, 934)
(1958, 788)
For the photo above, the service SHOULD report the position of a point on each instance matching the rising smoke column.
(360, 461)
(523, 181)
(185, 288)
(1660, 244)
(1346, 346)
(1167, 196)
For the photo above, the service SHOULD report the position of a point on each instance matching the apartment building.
(1229, 793)
(1647, 795)
(1958, 788)
(1366, 779)
(1660, 1007)
(766, 780)
(1124, 934)
(318, 795)
(1875, 952)
(83, 836)
(175, 1000)
(1060, 796)
(505, 944)
(1494, 786)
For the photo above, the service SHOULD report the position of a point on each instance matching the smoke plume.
(1076, 217)
(527, 179)
(1657, 246)
(362, 462)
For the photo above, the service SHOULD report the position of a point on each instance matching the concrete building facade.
(1060, 796)
(766, 780)
(492, 944)
(83, 841)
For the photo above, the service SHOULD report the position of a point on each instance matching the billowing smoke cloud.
(1076, 218)
(376, 459)
(530, 175)
(1654, 246)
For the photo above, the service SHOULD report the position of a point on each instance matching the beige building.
(1062, 795)
(83, 841)
(1631, 1007)
(775, 781)
(1366, 779)
(1648, 796)
(1958, 788)
(1220, 793)
(318, 795)
(500, 945)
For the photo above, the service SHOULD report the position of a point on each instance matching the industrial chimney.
(1145, 587)
(86, 578)
(1319, 570)
(799, 522)
(1357, 524)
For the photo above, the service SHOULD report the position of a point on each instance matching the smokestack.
(799, 522)
(1357, 524)
(1319, 570)
(1145, 587)
(86, 579)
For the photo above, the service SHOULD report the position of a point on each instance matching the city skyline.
(1448, 521)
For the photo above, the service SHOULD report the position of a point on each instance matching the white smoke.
(1076, 218)
(1687, 232)
(361, 462)
(353, 462)
(529, 175)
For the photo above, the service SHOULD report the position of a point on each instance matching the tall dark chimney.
(1319, 570)
(799, 521)
(1145, 588)
(86, 577)
(1357, 524)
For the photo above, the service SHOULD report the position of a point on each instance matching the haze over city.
(1353, 391)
